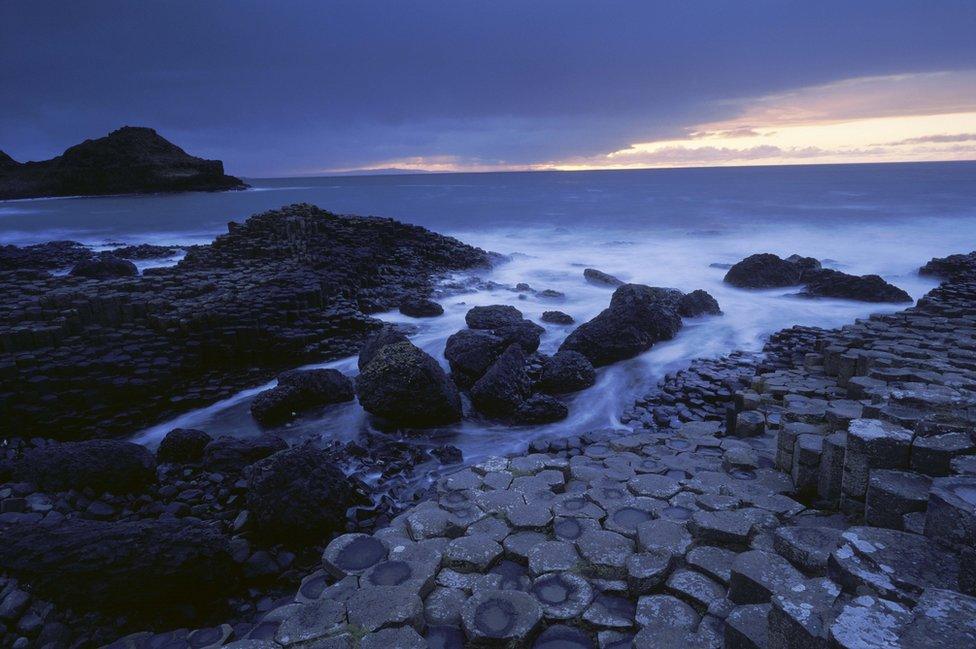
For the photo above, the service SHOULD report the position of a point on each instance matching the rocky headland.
(817, 494)
(130, 160)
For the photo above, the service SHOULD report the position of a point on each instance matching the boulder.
(864, 288)
(387, 335)
(492, 317)
(595, 276)
(566, 371)
(408, 387)
(182, 445)
(638, 317)
(301, 390)
(504, 387)
(470, 353)
(98, 464)
(299, 496)
(557, 317)
(698, 303)
(105, 266)
(766, 270)
(540, 409)
(421, 308)
(142, 569)
(524, 332)
(234, 453)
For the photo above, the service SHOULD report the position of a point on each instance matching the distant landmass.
(131, 160)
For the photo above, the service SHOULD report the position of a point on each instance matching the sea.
(672, 227)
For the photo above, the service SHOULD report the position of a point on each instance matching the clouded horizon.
(305, 88)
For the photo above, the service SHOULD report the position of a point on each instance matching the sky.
(313, 87)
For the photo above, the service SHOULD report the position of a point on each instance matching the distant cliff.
(129, 160)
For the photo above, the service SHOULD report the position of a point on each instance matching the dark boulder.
(557, 317)
(388, 335)
(49, 255)
(234, 453)
(144, 251)
(470, 353)
(492, 317)
(766, 270)
(638, 317)
(298, 391)
(540, 409)
(143, 569)
(864, 288)
(104, 266)
(421, 308)
(182, 445)
(951, 267)
(698, 303)
(595, 276)
(805, 263)
(504, 387)
(524, 333)
(99, 464)
(407, 386)
(299, 496)
(566, 371)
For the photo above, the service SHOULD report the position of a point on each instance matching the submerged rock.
(595, 276)
(298, 495)
(407, 386)
(698, 303)
(421, 308)
(557, 317)
(638, 317)
(301, 390)
(492, 317)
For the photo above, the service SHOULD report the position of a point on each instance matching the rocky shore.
(130, 160)
(817, 494)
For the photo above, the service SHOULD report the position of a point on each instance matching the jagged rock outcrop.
(129, 160)
(285, 288)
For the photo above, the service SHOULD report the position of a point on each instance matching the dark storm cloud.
(278, 87)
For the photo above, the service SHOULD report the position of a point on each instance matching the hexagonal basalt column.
(872, 444)
(353, 554)
(892, 494)
(561, 636)
(951, 516)
(563, 595)
(500, 618)
(473, 553)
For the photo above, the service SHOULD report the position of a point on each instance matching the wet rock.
(561, 636)
(540, 409)
(500, 618)
(142, 569)
(600, 278)
(638, 317)
(864, 288)
(298, 391)
(298, 495)
(610, 612)
(102, 465)
(353, 554)
(566, 371)
(470, 353)
(557, 317)
(421, 308)
(563, 595)
(406, 386)
(698, 303)
(403, 637)
(492, 317)
(104, 266)
(387, 335)
(232, 454)
(182, 445)
(766, 270)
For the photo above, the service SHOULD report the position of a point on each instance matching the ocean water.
(658, 227)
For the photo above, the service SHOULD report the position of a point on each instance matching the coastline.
(706, 401)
